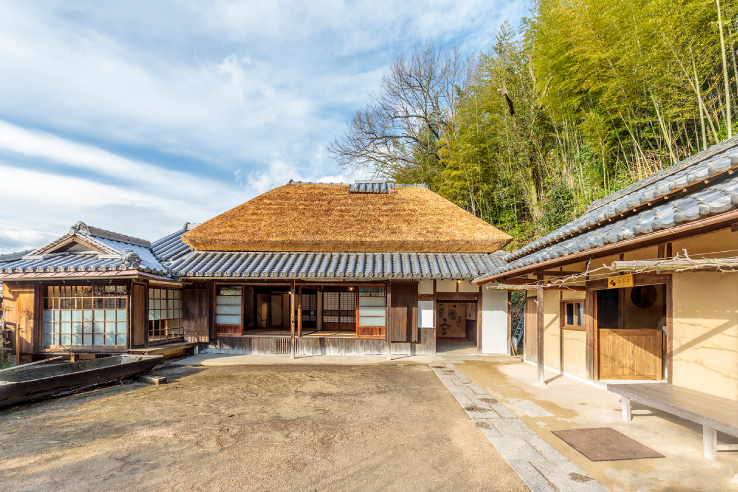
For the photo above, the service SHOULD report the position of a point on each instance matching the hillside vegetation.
(584, 98)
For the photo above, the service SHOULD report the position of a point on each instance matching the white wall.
(425, 286)
(425, 314)
(494, 321)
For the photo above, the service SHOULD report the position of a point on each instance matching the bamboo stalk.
(726, 80)
(721, 264)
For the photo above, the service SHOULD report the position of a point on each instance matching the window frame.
(575, 313)
(154, 336)
(87, 299)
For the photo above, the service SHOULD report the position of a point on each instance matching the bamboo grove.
(584, 98)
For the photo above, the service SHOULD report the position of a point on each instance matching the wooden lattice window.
(309, 307)
(165, 314)
(85, 315)
(339, 310)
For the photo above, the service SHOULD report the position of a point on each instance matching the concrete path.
(541, 467)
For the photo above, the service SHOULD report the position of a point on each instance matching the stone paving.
(541, 467)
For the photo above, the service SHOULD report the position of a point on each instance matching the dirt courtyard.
(331, 427)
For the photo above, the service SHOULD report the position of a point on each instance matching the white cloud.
(247, 94)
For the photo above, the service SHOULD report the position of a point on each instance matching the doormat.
(605, 444)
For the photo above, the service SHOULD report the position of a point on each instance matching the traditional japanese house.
(349, 269)
(314, 268)
(643, 285)
(86, 293)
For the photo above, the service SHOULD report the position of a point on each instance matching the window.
(309, 307)
(89, 315)
(228, 308)
(339, 310)
(574, 315)
(165, 314)
(372, 306)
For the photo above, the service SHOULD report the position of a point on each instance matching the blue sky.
(138, 116)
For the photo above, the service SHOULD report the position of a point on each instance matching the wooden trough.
(24, 384)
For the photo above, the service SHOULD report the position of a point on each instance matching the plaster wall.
(467, 286)
(718, 244)
(494, 321)
(425, 286)
(574, 344)
(705, 325)
(445, 285)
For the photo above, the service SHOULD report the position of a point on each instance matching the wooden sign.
(620, 282)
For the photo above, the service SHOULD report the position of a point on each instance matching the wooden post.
(17, 343)
(388, 320)
(709, 442)
(669, 330)
(539, 333)
(292, 320)
(510, 349)
(299, 311)
(589, 326)
(626, 409)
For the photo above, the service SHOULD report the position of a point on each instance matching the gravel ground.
(379, 427)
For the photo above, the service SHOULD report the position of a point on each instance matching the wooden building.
(306, 267)
(643, 286)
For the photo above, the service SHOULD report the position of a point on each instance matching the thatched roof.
(321, 217)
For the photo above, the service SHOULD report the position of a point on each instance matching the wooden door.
(19, 305)
(630, 354)
(196, 312)
(139, 315)
(530, 334)
(403, 312)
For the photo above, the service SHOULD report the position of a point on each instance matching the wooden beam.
(536, 287)
(517, 281)
(559, 273)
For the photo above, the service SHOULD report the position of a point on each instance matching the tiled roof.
(171, 246)
(117, 253)
(304, 265)
(661, 185)
(682, 195)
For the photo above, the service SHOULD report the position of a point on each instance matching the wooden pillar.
(589, 326)
(669, 329)
(627, 416)
(709, 443)
(539, 333)
(387, 320)
(510, 349)
(292, 320)
(299, 311)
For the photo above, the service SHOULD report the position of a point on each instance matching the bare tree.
(397, 132)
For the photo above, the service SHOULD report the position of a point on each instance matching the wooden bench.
(712, 412)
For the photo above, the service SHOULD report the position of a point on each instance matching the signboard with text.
(620, 282)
